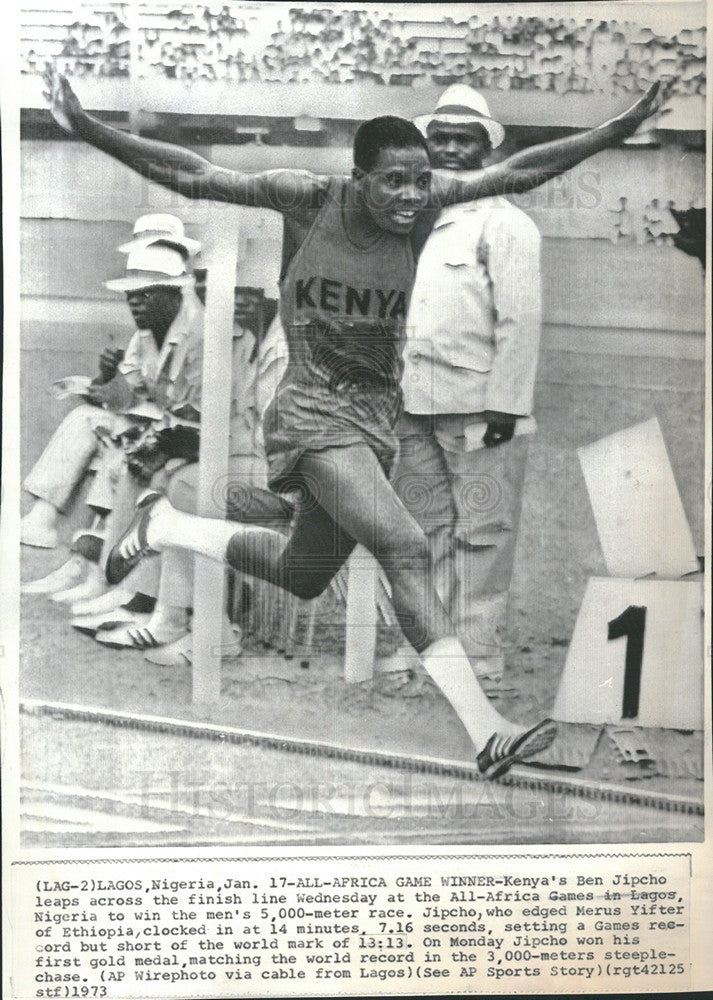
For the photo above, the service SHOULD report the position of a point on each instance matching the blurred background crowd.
(504, 52)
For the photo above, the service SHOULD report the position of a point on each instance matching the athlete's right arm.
(181, 169)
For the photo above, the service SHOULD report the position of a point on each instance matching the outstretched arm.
(532, 167)
(181, 169)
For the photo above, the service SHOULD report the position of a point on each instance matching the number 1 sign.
(636, 655)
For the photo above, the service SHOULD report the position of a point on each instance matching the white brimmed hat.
(159, 226)
(462, 105)
(157, 264)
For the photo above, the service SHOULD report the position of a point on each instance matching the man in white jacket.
(473, 333)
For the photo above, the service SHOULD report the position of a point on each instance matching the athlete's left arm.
(538, 164)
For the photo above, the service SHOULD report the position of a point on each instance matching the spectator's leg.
(144, 578)
(108, 467)
(421, 480)
(59, 469)
(169, 620)
(88, 542)
(487, 489)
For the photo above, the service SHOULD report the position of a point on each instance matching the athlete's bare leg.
(350, 500)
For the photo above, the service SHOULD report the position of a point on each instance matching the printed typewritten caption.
(207, 929)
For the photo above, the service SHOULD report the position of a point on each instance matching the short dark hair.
(385, 132)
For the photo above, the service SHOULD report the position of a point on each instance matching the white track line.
(520, 777)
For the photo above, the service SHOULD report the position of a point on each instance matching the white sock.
(447, 663)
(171, 528)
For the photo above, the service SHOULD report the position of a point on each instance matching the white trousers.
(71, 452)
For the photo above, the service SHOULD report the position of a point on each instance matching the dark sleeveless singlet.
(343, 309)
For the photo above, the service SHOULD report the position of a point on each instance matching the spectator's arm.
(513, 248)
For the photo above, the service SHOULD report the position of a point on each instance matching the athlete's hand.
(500, 428)
(61, 98)
(628, 121)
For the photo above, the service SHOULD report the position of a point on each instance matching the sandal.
(175, 654)
(119, 566)
(127, 636)
(91, 624)
(493, 764)
(179, 652)
(139, 634)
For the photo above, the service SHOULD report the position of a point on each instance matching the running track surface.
(98, 786)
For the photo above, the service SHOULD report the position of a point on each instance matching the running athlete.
(347, 272)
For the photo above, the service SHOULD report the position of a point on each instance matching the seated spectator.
(258, 364)
(160, 367)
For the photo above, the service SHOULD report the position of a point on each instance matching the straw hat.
(460, 104)
(160, 226)
(157, 264)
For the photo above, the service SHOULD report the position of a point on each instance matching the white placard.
(637, 507)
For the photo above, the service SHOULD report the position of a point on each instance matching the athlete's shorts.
(313, 416)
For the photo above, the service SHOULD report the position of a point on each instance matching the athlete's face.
(457, 147)
(396, 188)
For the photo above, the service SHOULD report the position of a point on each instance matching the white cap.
(159, 226)
(157, 264)
(462, 105)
